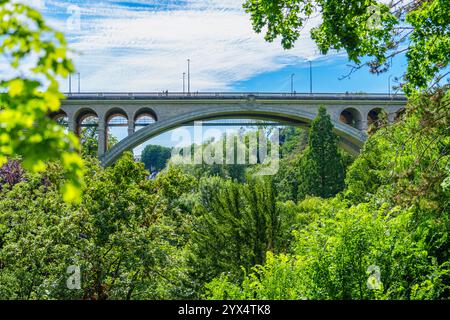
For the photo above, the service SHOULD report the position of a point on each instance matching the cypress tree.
(322, 170)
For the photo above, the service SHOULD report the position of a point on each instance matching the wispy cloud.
(143, 45)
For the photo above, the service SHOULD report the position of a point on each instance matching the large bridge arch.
(163, 112)
(352, 138)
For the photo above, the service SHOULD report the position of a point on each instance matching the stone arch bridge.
(155, 113)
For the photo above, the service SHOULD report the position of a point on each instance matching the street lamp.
(389, 85)
(292, 83)
(70, 84)
(79, 82)
(310, 77)
(184, 87)
(189, 75)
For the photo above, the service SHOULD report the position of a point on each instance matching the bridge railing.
(232, 95)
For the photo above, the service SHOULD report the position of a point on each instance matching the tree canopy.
(326, 226)
(35, 55)
(321, 167)
(155, 157)
(368, 28)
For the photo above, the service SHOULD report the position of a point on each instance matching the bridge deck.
(231, 96)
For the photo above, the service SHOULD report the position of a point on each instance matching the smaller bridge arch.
(114, 112)
(60, 117)
(114, 117)
(351, 117)
(399, 114)
(85, 116)
(88, 118)
(145, 111)
(373, 117)
(143, 117)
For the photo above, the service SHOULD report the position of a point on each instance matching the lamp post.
(389, 85)
(189, 75)
(292, 83)
(310, 77)
(184, 87)
(70, 84)
(79, 82)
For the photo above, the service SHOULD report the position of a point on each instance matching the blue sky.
(142, 45)
(138, 45)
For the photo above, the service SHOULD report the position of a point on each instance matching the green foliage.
(429, 51)
(393, 217)
(295, 166)
(155, 157)
(406, 162)
(292, 140)
(188, 234)
(360, 28)
(35, 241)
(121, 236)
(224, 169)
(30, 47)
(367, 28)
(276, 280)
(177, 237)
(332, 259)
(321, 166)
(89, 141)
(236, 224)
(287, 180)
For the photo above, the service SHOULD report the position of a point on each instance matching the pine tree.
(322, 169)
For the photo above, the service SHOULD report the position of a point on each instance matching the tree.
(127, 251)
(89, 141)
(234, 171)
(408, 158)
(35, 56)
(11, 173)
(362, 252)
(366, 29)
(293, 143)
(321, 166)
(121, 235)
(234, 226)
(287, 180)
(293, 140)
(385, 237)
(155, 157)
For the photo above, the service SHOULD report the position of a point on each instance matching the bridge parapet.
(232, 95)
